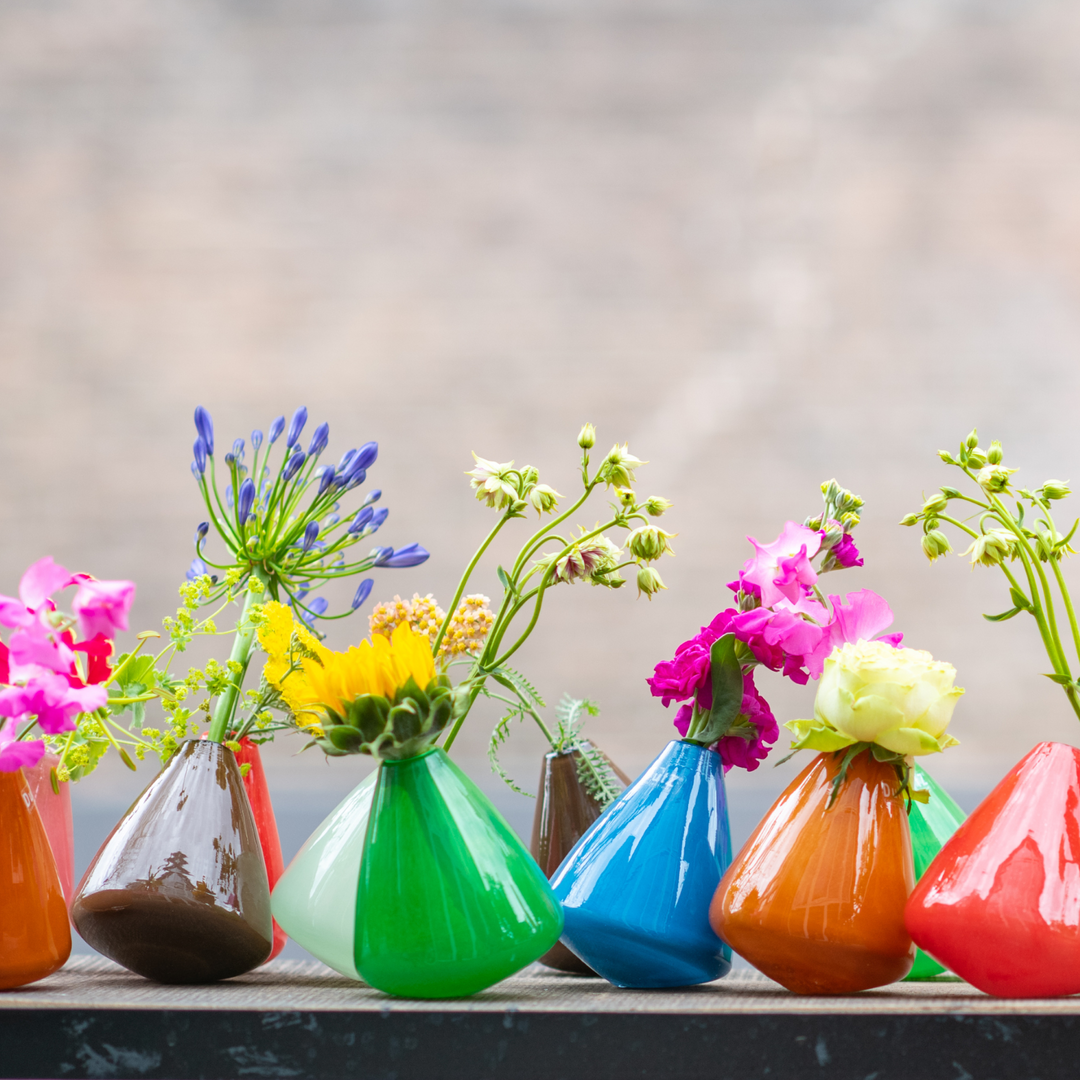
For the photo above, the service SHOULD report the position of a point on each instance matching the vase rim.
(414, 757)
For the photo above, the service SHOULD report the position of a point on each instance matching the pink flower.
(38, 646)
(846, 554)
(688, 672)
(102, 606)
(861, 616)
(39, 582)
(53, 700)
(14, 754)
(782, 568)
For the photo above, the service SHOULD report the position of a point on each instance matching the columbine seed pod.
(935, 504)
(657, 505)
(910, 519)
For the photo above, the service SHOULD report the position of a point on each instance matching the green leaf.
(1064, 680)
(515, 682)
(727, 691)
(1004, 615)
(1019, 599)
(504, 580)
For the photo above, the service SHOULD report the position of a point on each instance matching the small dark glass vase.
(178, 893)
(564, 812)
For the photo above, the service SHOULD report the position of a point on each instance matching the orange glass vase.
(815, 899)
(35, 939)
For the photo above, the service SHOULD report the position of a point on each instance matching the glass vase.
(636, 887)
(55, 810)
(178, 892)
(1000, 904)
(258, 793)
(931, 824)
(450, 901)
(815, 899)
(34, 931)
(315, 899)
(564, 811)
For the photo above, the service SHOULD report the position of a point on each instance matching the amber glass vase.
(35, 939)
(815, 900)
(55, 810)
(178, 892)
(564, 811)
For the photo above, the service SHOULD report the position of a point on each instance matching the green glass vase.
(932, 823)
(450, 901)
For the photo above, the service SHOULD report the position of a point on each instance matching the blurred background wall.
(766, 241)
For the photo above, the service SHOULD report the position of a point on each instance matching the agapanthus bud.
(205, 427)
(366, 455)
(320, 437)
(315, 609)
(649, 542)
(276, 428)
(973, 439)
(372, 497)
(994, 454)
(935, 543)
(200, 454)
(200, 531)
(649, 581)
(381, 555)
(994, 478)
(310, 535)
(331, 520)
(543, 498)
(361, 519)
(346, 461)
(586, 438)
(657, 505)
(379, 517)
(976, 458)
(238, 449)
(196, 569)
(909, 519)
(355, 479)
(936, 503)
(326, 479)
(1056, 489)
(410, 555)
(195, 470)
(256, 439)
(293, 466)
(363, 592)
(230, 460)
(229, 496)
(246, 500)
(296, 425)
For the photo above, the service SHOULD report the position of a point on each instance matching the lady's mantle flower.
(468, 629)
(780, 569)
(493, 482)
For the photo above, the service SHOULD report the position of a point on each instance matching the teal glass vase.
(314, 901)
(450, 901)
(931, 823)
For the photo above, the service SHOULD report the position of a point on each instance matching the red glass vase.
(262, 810)
(1000, 904)
(55, 810)
(35, 939)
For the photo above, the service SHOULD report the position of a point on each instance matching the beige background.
(767, 243)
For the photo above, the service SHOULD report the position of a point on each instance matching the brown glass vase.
(35, 939)
(815, 899)
(564, 811)
(178, 893)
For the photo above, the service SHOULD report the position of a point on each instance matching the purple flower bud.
(276, 428)
(319, 440)
(366, 455)
(363, 592)
(327, 479)
(201, 531)
(410, 555)
(230, 459)
(200, 454)
(247, 500)
(195, 470)
(379, 517)
(382, 556)
(228, 496)
(361, 519)
(372, 497)
(299, 419)
(357, 479)
(256, 439)
(293, 466)
(238, 449)
(346, 461)
(331, 521)
(205, 427)
(301, 593)
(196, 569)
(310, 533)
(316, 608)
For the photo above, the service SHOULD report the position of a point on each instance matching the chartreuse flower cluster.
(470, 633)
(1012, 528)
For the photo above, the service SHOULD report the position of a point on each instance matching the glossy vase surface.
(564, 812)
(178, 892)
(636, 887)
(315, 899)
(262, 810)
(35, 939)
(815, 899)
(1000, 904)
(55, 810)
(450, 901)
(931, 824)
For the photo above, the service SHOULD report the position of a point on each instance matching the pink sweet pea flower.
(861, 616)
(39, 582)
(53, 700)
(102, 606)
(782, 568)
(846, 554)
(34, 647)
(15, 755)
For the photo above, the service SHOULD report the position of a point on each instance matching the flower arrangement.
(781, 621)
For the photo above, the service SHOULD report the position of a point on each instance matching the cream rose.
(900, 699)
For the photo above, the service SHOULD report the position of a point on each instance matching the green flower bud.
(656, 505)
(849, 520)
(994, 454)
(814, 523)
(831, 490)
(973, 439)
(544, 498)
(649, 542)
(992, 548)
(625, 496)
(994, 478)
(649, 581)
(976, 458)
(910, 519)
(587, 437)
(951, 492)
(619, 466)
(529, 475)
(946, 457)
(936, 503)
(935, 543)
(1056, 489)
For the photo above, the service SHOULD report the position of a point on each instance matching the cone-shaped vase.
(931, 824)
(815, 899)
(1000, 904)
(450, 901)
(636, 887)
(315, 899)
(55, 810)
(178, 892)
(33, 916)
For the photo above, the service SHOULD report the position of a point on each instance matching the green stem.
(1056, 563)
(474, 693)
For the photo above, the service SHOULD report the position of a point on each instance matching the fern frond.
(596, 775)
(515, 681)
(498, 736)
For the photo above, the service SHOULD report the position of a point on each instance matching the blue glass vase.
(636, 887)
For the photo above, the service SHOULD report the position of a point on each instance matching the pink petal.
(102, 606)
(40, 581)
(33, 645)
(14, 612)
(16, 755)
(861, 618)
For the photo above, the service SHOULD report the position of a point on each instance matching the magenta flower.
(37, 584)
(37, 646)
(688, 672)
(846, 554)
(782, 568)
(53, 700)
(861, 616)
(15, 755)
(102, 606)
